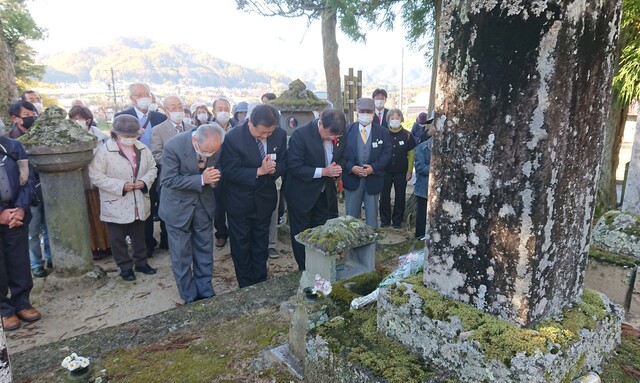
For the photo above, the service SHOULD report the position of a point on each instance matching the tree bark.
(5, 363)
(8, 88)
(606, 198)
(330, 57)
(436, 59)
(523, 95)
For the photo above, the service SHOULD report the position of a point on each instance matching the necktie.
(380, 118)
(363, 134)
(143, 120)
(261, 149)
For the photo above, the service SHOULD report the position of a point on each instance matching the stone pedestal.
(297, 102)
(58, 149)
(523, 99)
(631, 202)
(340, 249)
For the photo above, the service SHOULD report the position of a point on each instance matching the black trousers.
(299, 222)
(399, 183)
(421, 216)
(119, 250)
(15, 274)
(249, 240)
(150, 241)
(220, 215)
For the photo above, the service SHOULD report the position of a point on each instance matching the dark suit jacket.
(304, 155)
(181, 182)
(243, 193)
(385, 113)
(378, 157)
(155, 118)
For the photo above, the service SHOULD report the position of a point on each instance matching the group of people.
(211, 169)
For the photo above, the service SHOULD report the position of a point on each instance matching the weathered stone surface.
(54, 129)
(306, 317)
(337, 235)
(615, 282)
(523, 101)
(618, 233)
(298, 99)
(631, 203)
(454, 345)
(5, 363)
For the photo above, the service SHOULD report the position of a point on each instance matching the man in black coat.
(253, 155)
(140, 96)
(381, 116)
(314, 154)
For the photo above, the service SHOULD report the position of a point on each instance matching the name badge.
(401, 142)
(374, 144)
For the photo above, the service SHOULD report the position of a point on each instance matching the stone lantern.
(299, 103)
(58, 149)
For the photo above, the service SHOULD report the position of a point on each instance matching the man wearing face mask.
(174, 106)
(24, 114)
(368, 152)
(187, 206)
(222, 111)
(380, 98)
(34, 98)
(141, 98)
(253, 156)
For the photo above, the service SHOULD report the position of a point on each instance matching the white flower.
(322, 285)
(73, 362)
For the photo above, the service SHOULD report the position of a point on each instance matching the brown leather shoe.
(29, 315)
(220, 242)
(10, 323)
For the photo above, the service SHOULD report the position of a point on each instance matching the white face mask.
(379, 103)
(144, 103)
(82, 123)
(365, 118)
(127, 141)
(153, 107)
(394, 124)
(176, 117)
(223, 117)
(187, 120)
(39, 107)
(203, 117)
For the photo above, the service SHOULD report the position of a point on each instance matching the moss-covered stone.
(604, 256)
(298, 99)
(346, 291)
(337, 235)
(618, 233)
(54, 129)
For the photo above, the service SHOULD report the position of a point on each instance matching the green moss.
(627, 356)
(604, 256)
(500, 339)
(573, 372)
(609, 217)
(218, 352)
(357, 338)
(390, 253)
(345, 291)
(632, 230)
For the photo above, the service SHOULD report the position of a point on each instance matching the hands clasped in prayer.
(332, 170)
(131, 186)
(362, 171)
(211, 175)
(12, 217)
(268, 166)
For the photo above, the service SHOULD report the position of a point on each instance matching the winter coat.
(423, 165)
(109, 170)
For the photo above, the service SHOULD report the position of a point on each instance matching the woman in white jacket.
(123, 169)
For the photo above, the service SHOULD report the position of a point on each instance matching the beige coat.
(109, 170)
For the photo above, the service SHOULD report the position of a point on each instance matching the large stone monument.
(299, 103)
(631, 203)
(58, 149)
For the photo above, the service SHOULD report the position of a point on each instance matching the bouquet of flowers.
(74, 362)
(322, 286)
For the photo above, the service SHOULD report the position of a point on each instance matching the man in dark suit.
(253, 155)
(188, 206)
(312, 167)
(368, 152)
(380, 98)
(140, 97)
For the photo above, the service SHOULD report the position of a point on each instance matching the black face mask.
(27, 122)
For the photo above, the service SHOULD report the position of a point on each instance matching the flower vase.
(78, 375)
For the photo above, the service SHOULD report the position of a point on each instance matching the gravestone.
(299, 103)
(631, 202)
(58, 149)
(523, 100)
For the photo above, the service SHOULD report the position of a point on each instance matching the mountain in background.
(153, 62)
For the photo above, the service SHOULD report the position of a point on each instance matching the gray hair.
(207, 131)
(397, 111)
(164, 102)
(136, 84)
(221, 99)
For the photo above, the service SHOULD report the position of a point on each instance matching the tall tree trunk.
(5, 363)
(330, 57)
(8, 89)
(436, 53)
(606, 198)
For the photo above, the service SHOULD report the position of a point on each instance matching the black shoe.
(39, 272)
(146, 269)
(164, 245)
(128, 275)
(49, 265)
(384, 225)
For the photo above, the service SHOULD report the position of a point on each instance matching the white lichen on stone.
(453, 209)
(616, 232)
(481, 184)
(506, 210)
